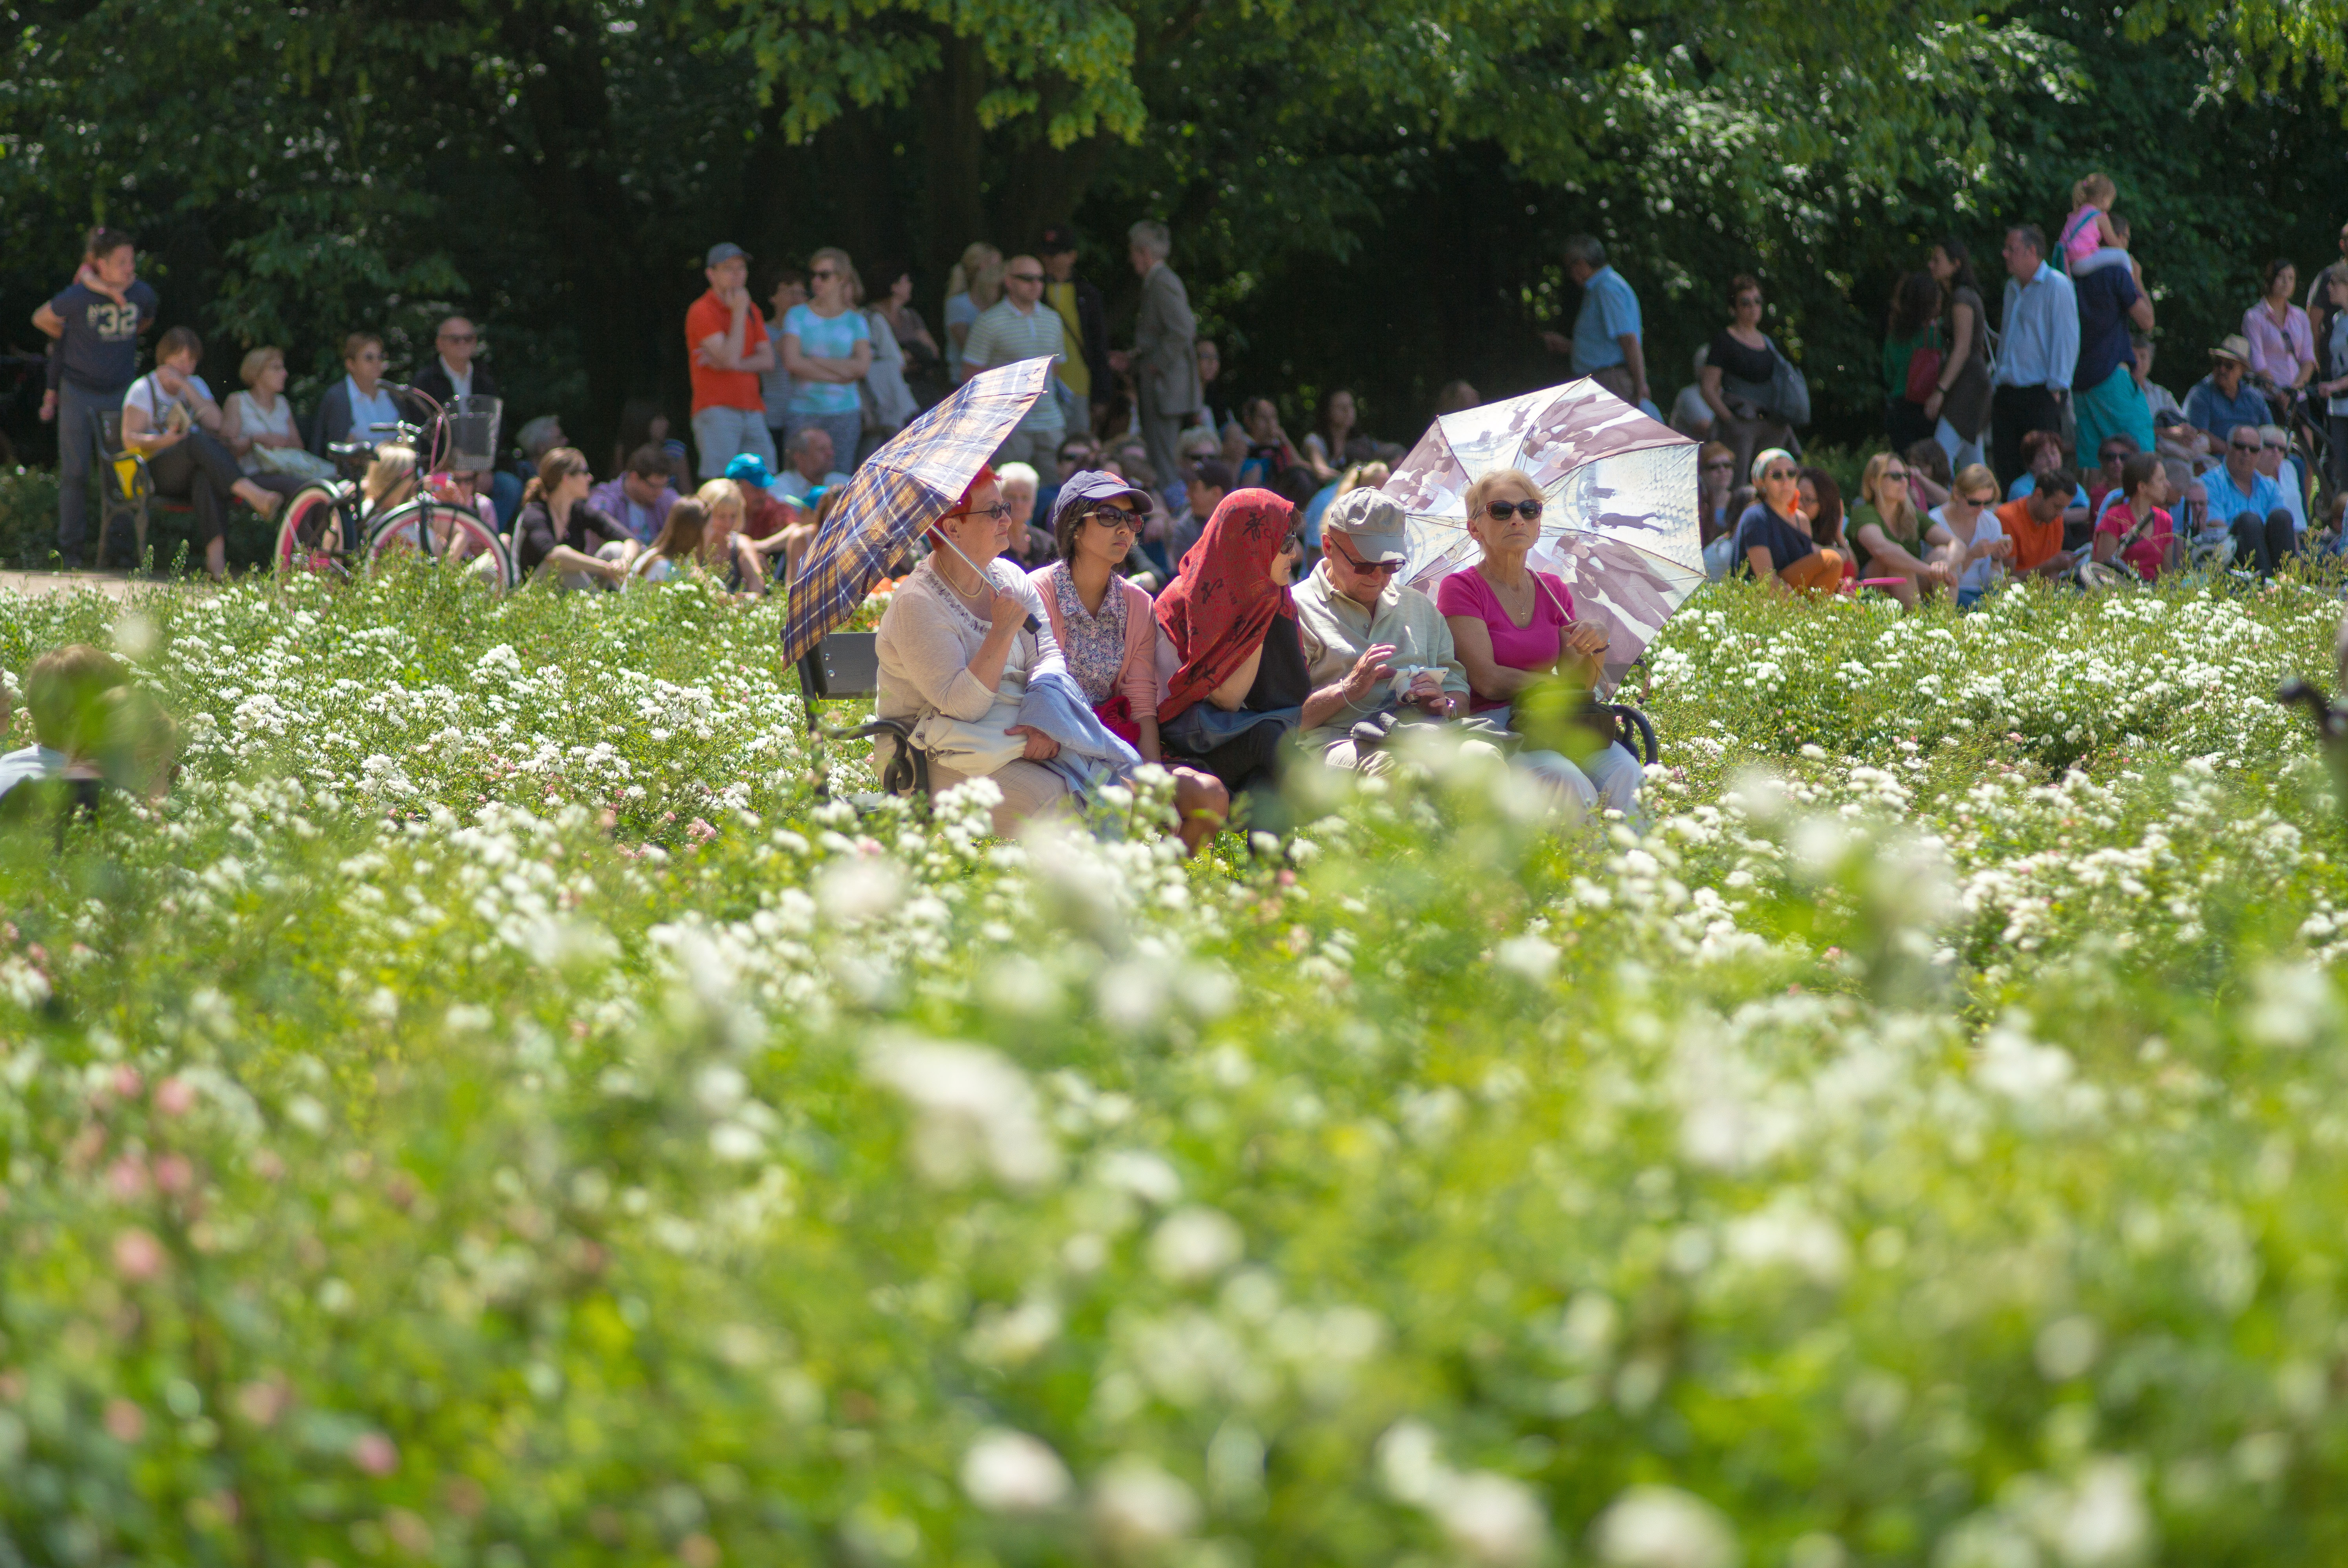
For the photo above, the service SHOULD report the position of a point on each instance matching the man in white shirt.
(810, 458)
(1020, 326)
(2038, 350)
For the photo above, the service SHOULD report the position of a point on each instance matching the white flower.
(1138, 1506)
(1664, 1527)
(1528, 955)
(2108, 1524)
(1195, 1244)
(1492, 1519)
(1010, 1472)
(2019, 1068)
(2293, 1004)
(975, 1110)
(1136, 1171)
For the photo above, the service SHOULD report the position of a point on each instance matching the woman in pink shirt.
(1513, 627)
(2283, 344)
(1108, 630)
(2136, 529)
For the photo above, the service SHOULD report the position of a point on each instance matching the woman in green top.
(1891, 540)
(1914, 327)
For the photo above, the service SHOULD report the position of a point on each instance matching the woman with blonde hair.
(726, 549)
(1512, 626)
(259, 424)
(1892, 541)
(390, 480)
(827, 346)
(1773, 538)
(975, 282)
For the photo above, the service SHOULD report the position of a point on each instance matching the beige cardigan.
(927, 636)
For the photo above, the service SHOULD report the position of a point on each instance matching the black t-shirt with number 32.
(101, 346)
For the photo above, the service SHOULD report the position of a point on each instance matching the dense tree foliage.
(1364, 191)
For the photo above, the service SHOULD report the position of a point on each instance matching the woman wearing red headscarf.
(1239, 684)
(958, 628)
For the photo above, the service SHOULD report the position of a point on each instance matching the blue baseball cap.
(749, 468)
(1095, 485)
(725, 250)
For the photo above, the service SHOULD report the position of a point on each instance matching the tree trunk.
(957, 210)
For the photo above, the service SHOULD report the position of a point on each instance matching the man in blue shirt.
(2249, 504)
(1606, 333)
(2223, 399)
(97, 322)
(2039, 352)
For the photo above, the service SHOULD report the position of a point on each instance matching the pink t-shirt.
(1531, 646)
(2082, 237)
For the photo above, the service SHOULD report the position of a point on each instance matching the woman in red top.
(1513, 627)
(2144, 485)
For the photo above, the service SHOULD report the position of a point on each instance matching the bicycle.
(324, 527)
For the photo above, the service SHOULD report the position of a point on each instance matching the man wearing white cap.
(1371, 645)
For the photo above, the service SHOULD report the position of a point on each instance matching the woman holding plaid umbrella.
(954, 629)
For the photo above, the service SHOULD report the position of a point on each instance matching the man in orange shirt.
(726, 338)
(2034, 524)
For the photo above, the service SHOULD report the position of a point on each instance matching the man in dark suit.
(452, 373)
(1164, 357)
(1083, 377)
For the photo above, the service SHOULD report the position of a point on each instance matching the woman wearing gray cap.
(1108, 631)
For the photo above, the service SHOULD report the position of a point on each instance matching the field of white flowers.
(493, 1115)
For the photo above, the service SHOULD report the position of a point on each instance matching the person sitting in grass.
(1372, 647)
(1773, 538)
(1108, 631)
(726, 550)
(1233, 661)
(1892, 541)
(677, 548)
(1978, 548)
(639, 499)
(2035, 523)
(2135, 528)
(561, 535)
(1514, 627)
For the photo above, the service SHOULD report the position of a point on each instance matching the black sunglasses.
(1504, 511)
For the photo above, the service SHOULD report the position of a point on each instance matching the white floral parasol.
(1620, 527)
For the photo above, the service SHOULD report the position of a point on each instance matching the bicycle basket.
(473, 434)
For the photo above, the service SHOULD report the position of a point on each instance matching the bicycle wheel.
(310, 529)
(455, 538)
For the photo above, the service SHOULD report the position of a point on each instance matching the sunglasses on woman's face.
(1720, 463)
(1000, 511)
(1114, 518)
(1529, 510)
(1898, 474)
(1781, 474)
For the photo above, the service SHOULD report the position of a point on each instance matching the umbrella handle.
(1031, 628)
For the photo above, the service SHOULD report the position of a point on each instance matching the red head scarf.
(1216, 612)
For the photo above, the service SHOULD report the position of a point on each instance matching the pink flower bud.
(125, 1179)
(175, 1097)
(137, 1257)
(125, 1422)
(174, 1173)
(127, 1082)
(375, 1453)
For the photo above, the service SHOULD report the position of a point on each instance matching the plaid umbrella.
(899, 490)
(1620, 524)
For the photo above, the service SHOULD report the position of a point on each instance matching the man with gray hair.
(1607, 334)
(1163, 360)
(1372, 645)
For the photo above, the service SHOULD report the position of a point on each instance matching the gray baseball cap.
(1372, 521)
(725, 250)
